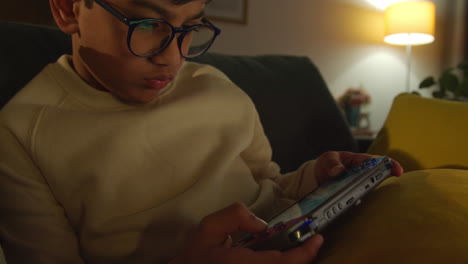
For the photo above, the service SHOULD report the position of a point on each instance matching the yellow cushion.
(425, 133)
(421, 217)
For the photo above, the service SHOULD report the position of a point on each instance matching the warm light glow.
(410, 23)
(382, 4)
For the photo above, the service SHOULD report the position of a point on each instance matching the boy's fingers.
(397, 169)
(302, 254)
(215, 228)
(354, 159)
(334, 165)
(351, 159)
(330, 165)
(305, 253)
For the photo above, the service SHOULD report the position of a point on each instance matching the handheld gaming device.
(320, 207)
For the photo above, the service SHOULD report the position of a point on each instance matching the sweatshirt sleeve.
(258, 155)
(33, 225)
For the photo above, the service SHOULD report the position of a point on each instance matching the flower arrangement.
(354, 97)
(351, 102)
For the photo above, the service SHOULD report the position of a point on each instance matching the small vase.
(352, 115)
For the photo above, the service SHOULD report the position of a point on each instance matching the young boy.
(125, 153)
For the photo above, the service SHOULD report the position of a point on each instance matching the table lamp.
(408, 24)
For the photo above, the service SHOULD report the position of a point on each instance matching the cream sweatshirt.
(86, 178)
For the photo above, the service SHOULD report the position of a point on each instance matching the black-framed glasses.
(149, 37)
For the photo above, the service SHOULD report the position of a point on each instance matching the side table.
(363, 137)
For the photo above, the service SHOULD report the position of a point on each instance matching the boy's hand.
(332, 163)
(211, 241)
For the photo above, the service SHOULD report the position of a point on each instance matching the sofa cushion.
(421, 217)
(424, 133)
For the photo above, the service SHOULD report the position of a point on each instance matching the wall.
(344, 38)
(456, 32)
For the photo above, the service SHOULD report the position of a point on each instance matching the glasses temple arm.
(114, 12)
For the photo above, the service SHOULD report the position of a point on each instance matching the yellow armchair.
(425, 133)
(421, 217)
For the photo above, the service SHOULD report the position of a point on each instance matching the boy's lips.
(158, 83)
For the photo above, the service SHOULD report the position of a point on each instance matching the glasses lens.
(197, 41)
(149, 37)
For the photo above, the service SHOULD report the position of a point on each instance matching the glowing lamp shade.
(410, 23)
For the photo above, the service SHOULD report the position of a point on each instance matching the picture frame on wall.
(234, 11)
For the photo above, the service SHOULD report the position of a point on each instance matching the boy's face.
(101, 55)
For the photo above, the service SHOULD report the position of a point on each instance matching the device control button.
(335, 210)
(350, 201)
(379, 176)
(313, 223)
(358, 202)
(340, 206)
(279, 226)
(329, 214)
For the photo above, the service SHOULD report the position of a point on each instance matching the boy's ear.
(65, 15)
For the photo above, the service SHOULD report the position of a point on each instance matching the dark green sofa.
(299, 114)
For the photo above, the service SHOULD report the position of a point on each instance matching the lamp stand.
(408, 67)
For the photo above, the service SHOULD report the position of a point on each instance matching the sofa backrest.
(24, 51)
(299, 115)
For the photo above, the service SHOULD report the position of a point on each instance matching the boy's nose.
(170, 56)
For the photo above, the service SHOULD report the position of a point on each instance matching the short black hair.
(183, 2)
(180, 2)
(89, 3)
